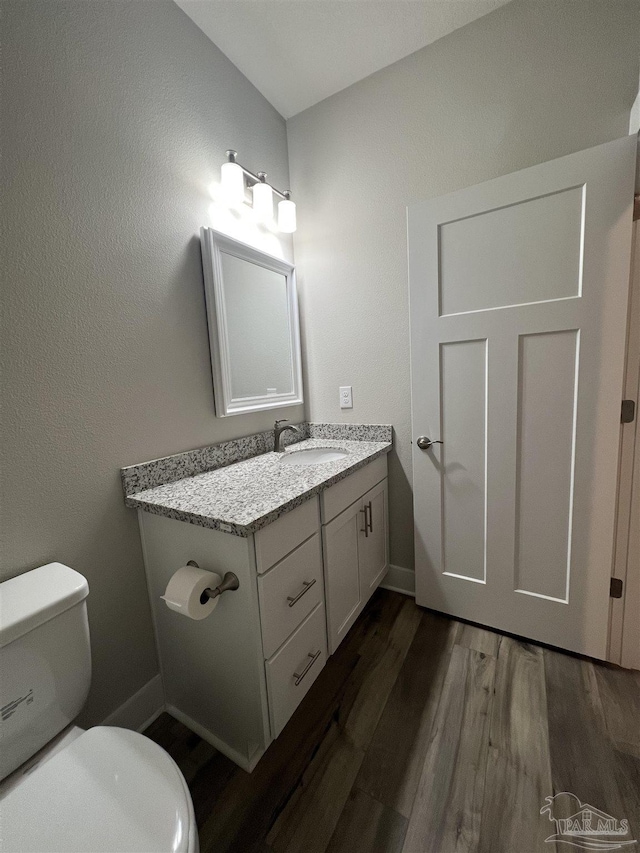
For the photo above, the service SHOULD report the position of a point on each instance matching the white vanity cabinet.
(355, 543)
(236, 676)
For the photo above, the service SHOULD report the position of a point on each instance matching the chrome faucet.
(277, 432)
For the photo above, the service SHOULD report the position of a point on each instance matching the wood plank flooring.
(425, 735)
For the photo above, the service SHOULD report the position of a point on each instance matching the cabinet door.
(341, 539)
(373, 549)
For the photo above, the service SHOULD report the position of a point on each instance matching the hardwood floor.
(425, 735)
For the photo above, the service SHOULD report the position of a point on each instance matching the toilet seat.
(110, 791)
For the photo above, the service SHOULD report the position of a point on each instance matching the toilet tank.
(45, 659)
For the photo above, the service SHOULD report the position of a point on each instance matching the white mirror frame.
(213, 243)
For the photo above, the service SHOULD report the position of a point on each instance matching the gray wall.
(116, 116)
(527, 83)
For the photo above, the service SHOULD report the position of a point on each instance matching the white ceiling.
(297, 52)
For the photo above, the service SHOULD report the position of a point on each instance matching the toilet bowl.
(65, 790)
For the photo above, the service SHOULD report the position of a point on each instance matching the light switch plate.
(346, 399)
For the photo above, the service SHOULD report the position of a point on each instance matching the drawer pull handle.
(293, 599)
(368, 519)
(300, 675)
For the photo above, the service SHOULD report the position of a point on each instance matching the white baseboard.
(237, 757)
(399, 579)
(141, 709)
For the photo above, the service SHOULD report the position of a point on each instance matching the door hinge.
(615, 588)
(628, 411)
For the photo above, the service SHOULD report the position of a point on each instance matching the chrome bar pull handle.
(300, 675)
(365, 529)
(424, 442)
(293, 599)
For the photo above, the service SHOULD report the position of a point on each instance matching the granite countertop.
(243, 497)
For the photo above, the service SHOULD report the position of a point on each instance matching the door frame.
(624, 633)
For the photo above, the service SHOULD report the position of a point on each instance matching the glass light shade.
(263, 202)
(232, 182)
(287, 216)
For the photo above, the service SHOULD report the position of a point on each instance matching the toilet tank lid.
(35, 597)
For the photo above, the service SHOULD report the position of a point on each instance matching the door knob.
(425, 443)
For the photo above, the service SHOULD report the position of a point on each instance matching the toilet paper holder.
(229, 582)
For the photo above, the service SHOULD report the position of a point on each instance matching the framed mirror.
(254, 334)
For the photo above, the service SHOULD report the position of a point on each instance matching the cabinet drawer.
(337, 498)
(289, 592)
(294, 668)
(286, 533)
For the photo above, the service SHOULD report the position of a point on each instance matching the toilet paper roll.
(185, 588)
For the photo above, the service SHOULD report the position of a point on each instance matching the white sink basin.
(313, 456)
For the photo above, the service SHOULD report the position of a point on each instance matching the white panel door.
(518, 291)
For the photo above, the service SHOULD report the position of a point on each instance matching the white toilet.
(106, 789)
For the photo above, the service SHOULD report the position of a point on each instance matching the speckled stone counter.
(243, 497)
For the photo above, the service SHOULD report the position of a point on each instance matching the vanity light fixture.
(287, 214)
(263, 199)
(234, 177)
(232, 181)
